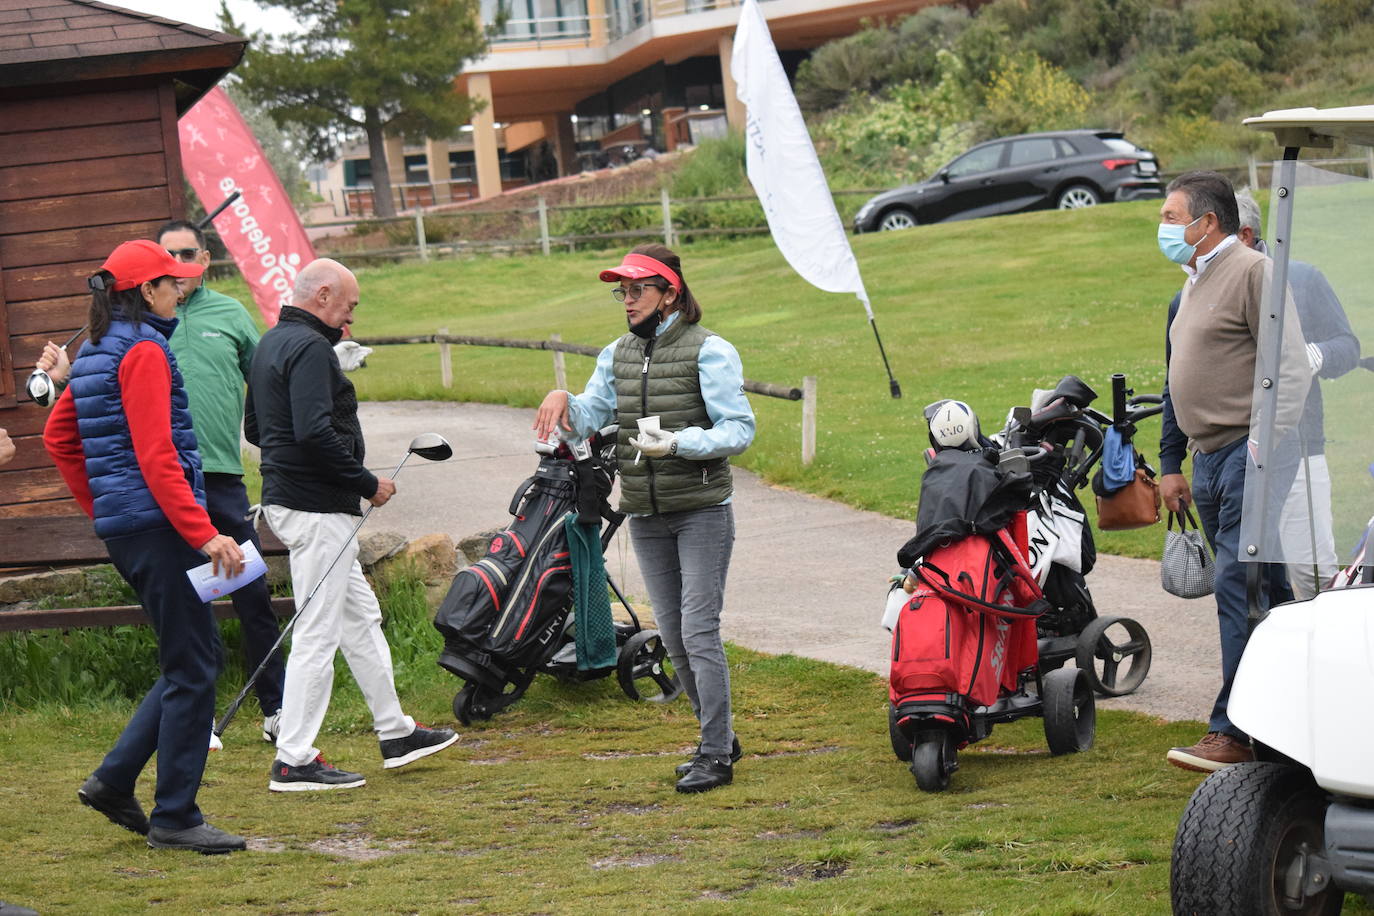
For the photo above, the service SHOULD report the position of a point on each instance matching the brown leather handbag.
(1135, 505)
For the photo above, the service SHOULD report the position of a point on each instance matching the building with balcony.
(577, 84)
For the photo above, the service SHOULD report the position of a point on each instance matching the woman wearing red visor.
(675, 482)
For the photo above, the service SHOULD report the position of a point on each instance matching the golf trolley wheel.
(1243, 844)
(933, 759)
(901, 744)
(642, 669)
(1115, 654)
(469, 704)
(1070, 714)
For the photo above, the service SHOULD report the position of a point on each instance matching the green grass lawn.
(984, 311)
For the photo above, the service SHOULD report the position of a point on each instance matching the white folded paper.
(209, 586)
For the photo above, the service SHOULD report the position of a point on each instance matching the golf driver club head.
(431, 447)
(41, 388)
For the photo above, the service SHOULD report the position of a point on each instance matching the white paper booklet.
(210, 586)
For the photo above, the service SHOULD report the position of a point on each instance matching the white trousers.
(1299, 528)
(344, 615)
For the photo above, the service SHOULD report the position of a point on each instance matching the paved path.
(808, 576)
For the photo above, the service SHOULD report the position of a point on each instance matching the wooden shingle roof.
(48, 42)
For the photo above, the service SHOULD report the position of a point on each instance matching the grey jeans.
(684, 557)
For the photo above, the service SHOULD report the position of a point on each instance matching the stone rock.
(377, 546)
(434, 555)
(14, 589)
(474, 546)
(278, 570)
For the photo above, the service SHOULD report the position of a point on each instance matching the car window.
(1120, 145)
(983, 159)
(1024, 152)
(1066, 149)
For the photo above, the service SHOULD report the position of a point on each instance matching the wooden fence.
(557, 346)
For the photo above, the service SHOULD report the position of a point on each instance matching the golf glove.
(656, 443)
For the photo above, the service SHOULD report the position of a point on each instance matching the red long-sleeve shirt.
(145, 386)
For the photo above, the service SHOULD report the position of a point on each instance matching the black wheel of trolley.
(933, 759)
(470, 703)
(1115, 654)
(1244, 841)
(644, 671)
(1070, 714)
(901, 744)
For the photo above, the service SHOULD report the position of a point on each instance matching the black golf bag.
(508, 615)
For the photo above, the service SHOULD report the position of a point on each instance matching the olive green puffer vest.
(660, 378)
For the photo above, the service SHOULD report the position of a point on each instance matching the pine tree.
(386, 67)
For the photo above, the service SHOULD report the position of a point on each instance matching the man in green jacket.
(214, 342)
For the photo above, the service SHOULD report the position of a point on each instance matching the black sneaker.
(201, 838)
(397, 752)
(735, 755)
(314, 776)
(123, 810)
(707, 773)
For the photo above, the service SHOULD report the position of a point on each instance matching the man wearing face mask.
(1212, 348)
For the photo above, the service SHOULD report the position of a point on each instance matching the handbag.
(1187, 569)
(1135, 505)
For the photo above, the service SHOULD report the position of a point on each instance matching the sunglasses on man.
(184, 254)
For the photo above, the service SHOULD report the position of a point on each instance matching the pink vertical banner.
(261, 230)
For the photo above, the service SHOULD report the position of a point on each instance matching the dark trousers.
(174, 719)
(227, 503)
(1218, 492)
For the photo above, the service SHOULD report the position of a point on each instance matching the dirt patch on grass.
(789, 835)
(125, 871)
(625, 755)
(265, 844)
(627, 808)
(358, 848)
(644, 860)
(897, 826)
(812, 871)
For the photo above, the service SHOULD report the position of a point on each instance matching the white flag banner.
(783, 168)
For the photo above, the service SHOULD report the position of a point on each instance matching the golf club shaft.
(71, 340)
(281, 637)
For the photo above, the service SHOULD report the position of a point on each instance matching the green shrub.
(714, 168)
(605, 219)
(1029, 94)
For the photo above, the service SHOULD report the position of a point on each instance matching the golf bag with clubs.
(964, 648)
(510, 615)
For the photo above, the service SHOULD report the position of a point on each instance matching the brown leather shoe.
(1213, 752)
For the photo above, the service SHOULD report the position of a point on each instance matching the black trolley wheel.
(1116, 662)
(1070, 714)
(642, 671)
(933, 759)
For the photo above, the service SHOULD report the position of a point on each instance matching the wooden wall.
(79, 173)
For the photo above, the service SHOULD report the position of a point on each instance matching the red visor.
(135, 263)
(639, 266)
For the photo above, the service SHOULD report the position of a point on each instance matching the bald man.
(302, 412)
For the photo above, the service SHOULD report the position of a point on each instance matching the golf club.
(40, 386)
(431, 447)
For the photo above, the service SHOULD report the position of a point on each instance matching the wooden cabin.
(89, 157)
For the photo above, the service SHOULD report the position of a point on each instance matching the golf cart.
(1293, 832)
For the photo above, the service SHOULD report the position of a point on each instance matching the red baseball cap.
(134, 263)
(638, 266)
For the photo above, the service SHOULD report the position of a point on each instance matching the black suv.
(1064, 169)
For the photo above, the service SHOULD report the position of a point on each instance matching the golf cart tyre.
(1094, 642)
(1069, 710)
(1241, 840)
(933, 760)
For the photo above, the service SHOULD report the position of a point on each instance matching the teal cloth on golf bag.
(595, 635)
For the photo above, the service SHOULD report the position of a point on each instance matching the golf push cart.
(1293, 832)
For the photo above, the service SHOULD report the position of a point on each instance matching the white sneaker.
(271, 727)
(215, 743)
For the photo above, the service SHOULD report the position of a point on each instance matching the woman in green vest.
(675, 479)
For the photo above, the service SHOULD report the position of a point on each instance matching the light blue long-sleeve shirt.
(722, 390)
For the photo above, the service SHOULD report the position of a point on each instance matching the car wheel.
(897, 218)
(1078, 195)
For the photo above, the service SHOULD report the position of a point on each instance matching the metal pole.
(445, 361)
(808, 419)
(420, 235)
(1254, 173)
(560, 371)
(667, 219)
(544, 225)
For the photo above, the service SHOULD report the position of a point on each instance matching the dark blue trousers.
(174, 719)
(227, 502)
(1218, 493)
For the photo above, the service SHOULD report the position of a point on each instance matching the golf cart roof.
(1318, 126)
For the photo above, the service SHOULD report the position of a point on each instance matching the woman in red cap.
(121, 436)
(675, 479)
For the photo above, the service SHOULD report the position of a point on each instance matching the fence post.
(445, 361)
(667, 219)
(420, 235)
(544, 225)
(1254, 173)
(1369, 160)
(808, 419)
(560, 371)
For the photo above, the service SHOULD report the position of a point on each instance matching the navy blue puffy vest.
(123, 503)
